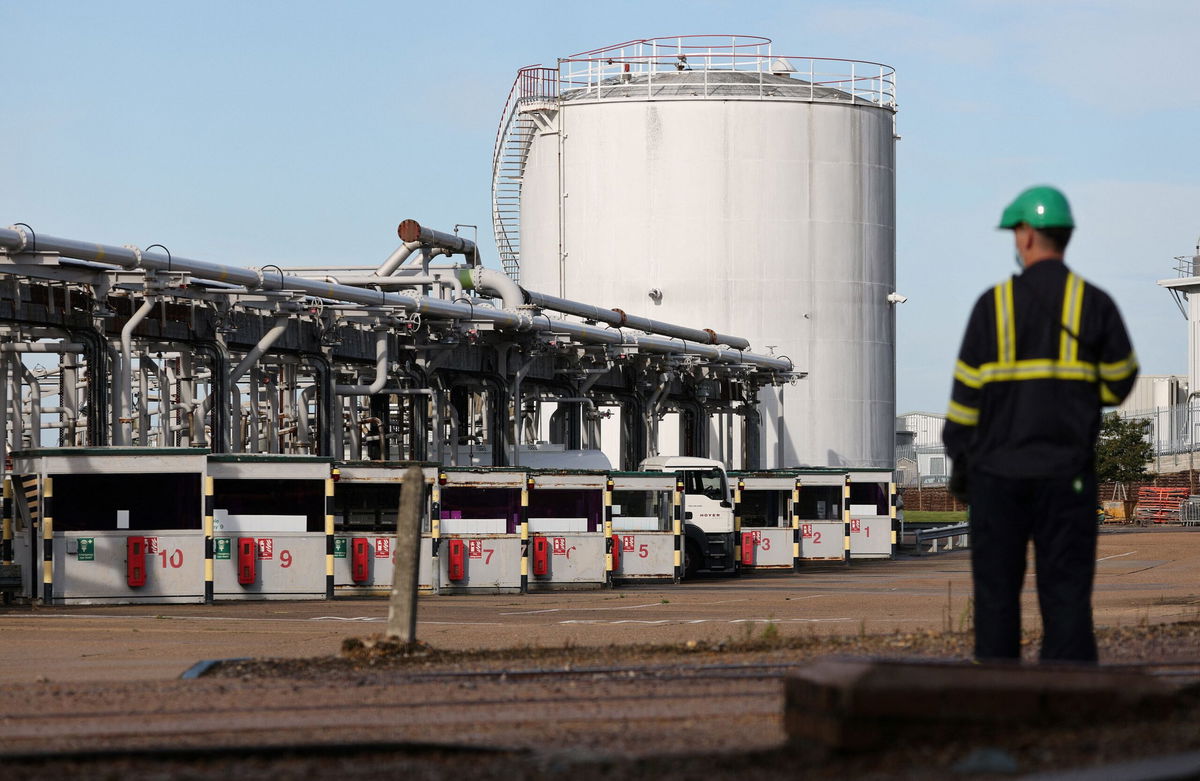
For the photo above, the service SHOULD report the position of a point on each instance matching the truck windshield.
(705, 482)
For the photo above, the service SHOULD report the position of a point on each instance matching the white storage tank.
(706, 181)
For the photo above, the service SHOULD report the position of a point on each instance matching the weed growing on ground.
(947, 611)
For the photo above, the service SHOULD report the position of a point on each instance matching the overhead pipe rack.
(19, 239)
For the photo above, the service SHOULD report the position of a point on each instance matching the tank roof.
(709, 84)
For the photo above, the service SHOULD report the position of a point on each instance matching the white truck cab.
(708, 512)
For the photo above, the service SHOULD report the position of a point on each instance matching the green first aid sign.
(221, 548)
(87, 549)
(339, 547)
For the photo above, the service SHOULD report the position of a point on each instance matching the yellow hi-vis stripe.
(1119, 370)
(1038, 369)
(999, 300)
(968, 375)
(1072, 316)
(962, 414)
(1064, 339)
(1006, 330)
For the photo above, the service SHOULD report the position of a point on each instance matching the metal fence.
(1173, 430)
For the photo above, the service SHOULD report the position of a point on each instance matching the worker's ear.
(1026, 236)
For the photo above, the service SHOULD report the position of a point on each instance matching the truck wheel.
(691, 559)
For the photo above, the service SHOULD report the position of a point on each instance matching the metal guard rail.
(923, 536)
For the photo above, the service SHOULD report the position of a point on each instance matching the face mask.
(1020, 263)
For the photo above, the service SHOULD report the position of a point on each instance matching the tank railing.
(596, 77)
(1188, 265)
(693, 42)
(736, 48)
(537, 83)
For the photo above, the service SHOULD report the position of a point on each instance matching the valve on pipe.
(411, 230)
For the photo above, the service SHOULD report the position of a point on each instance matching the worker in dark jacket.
(1043, 352)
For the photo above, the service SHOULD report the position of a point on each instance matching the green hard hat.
(1039, 207)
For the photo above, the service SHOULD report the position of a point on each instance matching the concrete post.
(402, 607)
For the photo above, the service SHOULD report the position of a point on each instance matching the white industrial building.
(920, 456)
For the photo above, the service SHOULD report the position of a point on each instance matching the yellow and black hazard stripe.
(796, 525)
(30, 485)
(329, 536)
(607, 530)
(523, 520)
(208, 540)
(677, 501)
(846, 520)
(47, 540)
(6, 544)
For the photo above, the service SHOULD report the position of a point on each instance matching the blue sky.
(301, 133)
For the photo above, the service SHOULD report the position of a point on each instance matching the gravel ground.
(699, 710)
(1147, 644)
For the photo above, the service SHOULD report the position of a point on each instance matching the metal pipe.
(355, 434)
(277, 329)
(35, 405)
(567, 400)
(452, 435)
(405, 392)
(273, 417)
(329, 439)
(518, 379)
(397, 258)
(70, 394)
(187, 385)
(253, 439)
(143, 417)
(12, 403)
(493, 282)
(96, 398)
(442, 279)
(591, 425)
(381, 370)
(585, 432)
(302, 414)
(235, 419)
(125, 380)
(411, 230)
(651, 414)
(624, 320)
(438, 434)
(41, 347)
(368, 280)
(166, 389)
(15, 238)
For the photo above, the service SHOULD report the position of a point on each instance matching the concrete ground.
(1143, 576)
